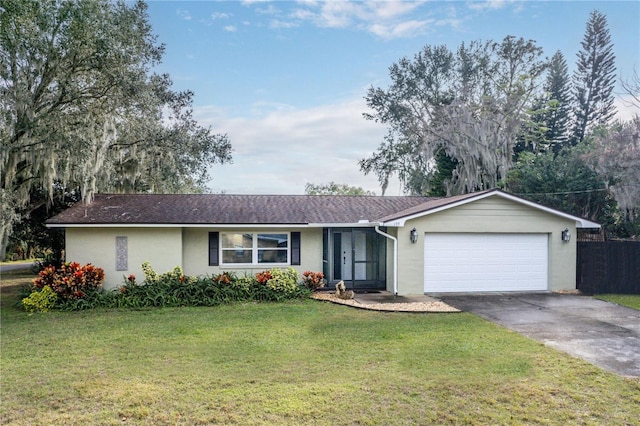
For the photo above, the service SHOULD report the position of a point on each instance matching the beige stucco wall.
(166, 248)
(162, 247)
(495, 215)
(195, 251)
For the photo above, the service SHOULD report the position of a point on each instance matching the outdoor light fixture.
(566, 235)
(413, 235)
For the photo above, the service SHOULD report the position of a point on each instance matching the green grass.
(303, 362)
(630, 300)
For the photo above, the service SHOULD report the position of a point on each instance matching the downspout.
(395, 258)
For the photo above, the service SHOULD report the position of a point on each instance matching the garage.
(469, 262)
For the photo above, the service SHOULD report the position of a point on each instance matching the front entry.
(356, 256)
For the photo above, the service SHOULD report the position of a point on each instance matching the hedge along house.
(485, 241)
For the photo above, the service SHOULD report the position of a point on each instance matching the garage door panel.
(485, 262)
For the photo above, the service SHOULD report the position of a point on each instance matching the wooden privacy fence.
(608, 267)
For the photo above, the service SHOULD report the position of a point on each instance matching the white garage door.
(485, 262)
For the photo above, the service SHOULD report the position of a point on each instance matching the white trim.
(254, 250)
(345, 225)
(580, 222)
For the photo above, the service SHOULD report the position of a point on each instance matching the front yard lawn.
(630, 300)
(303, 362)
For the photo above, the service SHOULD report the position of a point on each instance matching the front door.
(356, 256)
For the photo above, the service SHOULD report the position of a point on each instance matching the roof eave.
(177, 225)
(360, 224)
(216, 225)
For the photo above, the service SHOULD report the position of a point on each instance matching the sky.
(286, 80)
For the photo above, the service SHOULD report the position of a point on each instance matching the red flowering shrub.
(223, 278)
(263, 277)
(71, 281)
(313, 280)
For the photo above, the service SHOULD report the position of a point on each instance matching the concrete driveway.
(13, 267)
(602, 333)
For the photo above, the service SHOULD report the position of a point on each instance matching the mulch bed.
(434, 306)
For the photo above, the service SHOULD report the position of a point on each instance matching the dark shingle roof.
(235, 209)
(430, 204)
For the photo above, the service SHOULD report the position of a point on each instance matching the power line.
(563, 193)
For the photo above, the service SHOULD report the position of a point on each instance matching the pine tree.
(594, 78)
(558, 90)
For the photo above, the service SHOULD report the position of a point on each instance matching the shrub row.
(172, 289)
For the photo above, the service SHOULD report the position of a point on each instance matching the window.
(260, 248)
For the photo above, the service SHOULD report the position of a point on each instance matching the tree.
(557, 89)
(80, 109)
(333, 188)
(464, 110)
(547, 127)
(563, 181)
(631, 88)
(417, 88)
(594, 78)
(615, 155)
(31, 233)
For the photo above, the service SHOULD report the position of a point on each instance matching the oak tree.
(81, 108)
(462, 110)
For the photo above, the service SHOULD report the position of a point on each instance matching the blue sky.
(286, 80)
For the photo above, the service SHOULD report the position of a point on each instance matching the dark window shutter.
(295, 248)
(213, 249)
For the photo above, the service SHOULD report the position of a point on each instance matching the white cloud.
(488, 4)
(626, 107)
(338, 14)
(453, 23)
(184, 14)
(277, 23)
(385, 19)
(279, 151)
(219, 15)
(269, 10)
(264, 108)
(392, 9)
(231, 28)
(401, 29)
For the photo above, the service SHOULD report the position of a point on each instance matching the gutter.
(208, 225)
(176, 225)
(395, 257)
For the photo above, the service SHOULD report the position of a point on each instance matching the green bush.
(93, 298)
(40, 300)
(284, 281)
